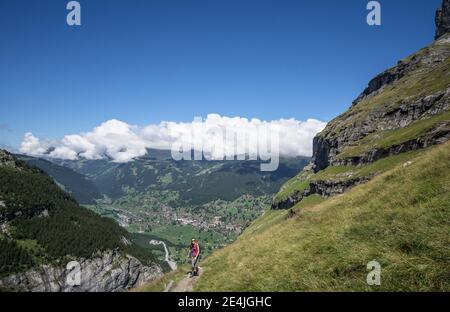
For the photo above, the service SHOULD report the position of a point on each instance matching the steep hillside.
(400, 219)
(42, 228)
(404, 109)
(388, 159)
(76, 184)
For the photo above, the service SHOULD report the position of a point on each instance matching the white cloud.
(122, 142)
(32, 145)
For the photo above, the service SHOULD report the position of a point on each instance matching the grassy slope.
(299, 183)
(160, 284)
(388, 138)
(341, 173)
(400, 218)
(422, 81)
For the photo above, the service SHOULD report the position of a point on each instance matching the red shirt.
(195, 250)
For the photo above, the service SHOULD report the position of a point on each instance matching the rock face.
(327, 188)
(356, 124)
(7, 160)
(405, 108)
(108, 272)
(437, 135)
(443, 19)
(324, 188)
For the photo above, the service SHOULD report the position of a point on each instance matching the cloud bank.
(122, 142)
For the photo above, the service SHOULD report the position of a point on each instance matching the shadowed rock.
(443, 19)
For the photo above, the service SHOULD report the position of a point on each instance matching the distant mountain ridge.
(226, 180)
(78, 185)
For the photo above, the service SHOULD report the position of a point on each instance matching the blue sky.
(143, 61)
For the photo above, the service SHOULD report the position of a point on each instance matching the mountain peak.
(443, 19)
(403, 110)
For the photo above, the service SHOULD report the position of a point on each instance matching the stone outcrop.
(416, 89)
(324, 188)
(443, 19)
(288, 202)
(327, 146)
(107, 272)
(327, 188)
(8, 160)
(437, 135)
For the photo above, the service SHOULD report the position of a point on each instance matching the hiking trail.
(186, 284)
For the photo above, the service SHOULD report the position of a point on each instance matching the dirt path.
(187, 283)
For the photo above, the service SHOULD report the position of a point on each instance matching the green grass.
(423, 81)
(179, 237)
(272, 217)
(400, 218)
(160, 284)
(308, 202)
(297, 184)
(388, 138)
(269, 218)
(419, 83)
(342, 173)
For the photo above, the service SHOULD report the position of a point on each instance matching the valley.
(376, 191)
(159, 198)
(113, 189)
(42, 229)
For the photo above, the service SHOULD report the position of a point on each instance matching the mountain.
(42, 228)
(403, 110)
(387, 159)
(442, 20)
(197, 182)
(399, 219)
(78, 185)
(176, 200)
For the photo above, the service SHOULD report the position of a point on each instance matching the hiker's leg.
(196, 265)
(193, 266)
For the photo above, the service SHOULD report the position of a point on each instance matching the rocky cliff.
(107, 272)
(443, 19)
(404, 109)
(393, 100)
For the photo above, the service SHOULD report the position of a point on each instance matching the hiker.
(194, 250)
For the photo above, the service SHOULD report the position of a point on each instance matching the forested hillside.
(40, 223)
